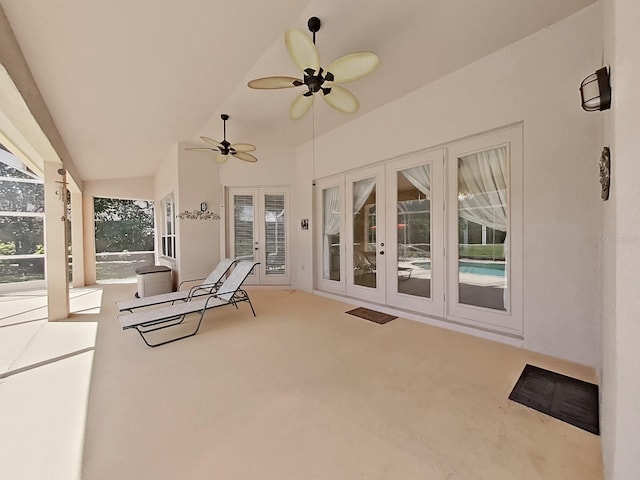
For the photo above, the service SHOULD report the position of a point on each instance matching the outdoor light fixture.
(595, 91)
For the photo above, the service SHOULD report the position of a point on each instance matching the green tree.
(123, 225)
(26, 233)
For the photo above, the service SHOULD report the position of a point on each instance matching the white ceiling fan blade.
(342, 100)
(212, 141)
(353, 66)
(302, 49)
(267, 83)
(300, 106)
(243, 147)
(222, 158)
(202, 148)
(247, 157)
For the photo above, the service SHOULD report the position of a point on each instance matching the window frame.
(167, 237)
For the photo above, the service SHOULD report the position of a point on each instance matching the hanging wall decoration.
(198, 215)
(605, 172)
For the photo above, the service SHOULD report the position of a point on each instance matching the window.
(168, 226)
(21, 221)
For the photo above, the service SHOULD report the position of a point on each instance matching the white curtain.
(420, 177)
(482, 194)
(331, 225)
(361, 191)
(482, 188)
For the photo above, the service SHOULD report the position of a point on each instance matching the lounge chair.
(229, 293)
(208, 286)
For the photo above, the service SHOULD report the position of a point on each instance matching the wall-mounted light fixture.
(595, 91)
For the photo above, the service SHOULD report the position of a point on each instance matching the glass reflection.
(483, 229)
(414, 231)
(364, 233)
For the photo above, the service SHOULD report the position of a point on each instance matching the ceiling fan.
(305, 55)
(238, 150)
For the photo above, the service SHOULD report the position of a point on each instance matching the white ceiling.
(126, 80)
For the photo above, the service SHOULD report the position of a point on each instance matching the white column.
(77, 239)
(55, 242)
(89, 239)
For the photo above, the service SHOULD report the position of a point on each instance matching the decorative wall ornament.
(198, 215)
(605, 172)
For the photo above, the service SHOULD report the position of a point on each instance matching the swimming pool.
(478, 268)
(482, 268)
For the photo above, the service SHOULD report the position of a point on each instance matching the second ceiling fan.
(226, 149)
(305, 55)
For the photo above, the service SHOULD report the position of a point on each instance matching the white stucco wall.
(165, 182)
(534, 81)
(198, 240)
(620, 419)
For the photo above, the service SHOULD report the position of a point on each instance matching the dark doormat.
(565, 398)
(371, 315)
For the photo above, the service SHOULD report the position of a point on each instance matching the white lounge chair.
(229, 293)
(208, 286)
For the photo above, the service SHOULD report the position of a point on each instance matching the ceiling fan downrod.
(224, 143)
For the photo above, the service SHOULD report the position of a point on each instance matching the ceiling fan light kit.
(226, 149)
(305, 55)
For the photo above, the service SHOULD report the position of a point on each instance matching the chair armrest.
(189, 281)
(205, 286)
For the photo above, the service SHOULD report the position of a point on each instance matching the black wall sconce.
(595, 91)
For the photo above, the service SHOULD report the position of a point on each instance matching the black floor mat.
(565, 398)
(371, 315)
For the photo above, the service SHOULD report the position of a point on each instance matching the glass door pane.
(364, 233)
(413, 218)
(243, 227)
(331, 233)
(275, 234)
(331, 237)
(483, 220)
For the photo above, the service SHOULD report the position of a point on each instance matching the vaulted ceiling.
(125, 81)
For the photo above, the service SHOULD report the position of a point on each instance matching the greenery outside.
(21, 236)
(124, 232)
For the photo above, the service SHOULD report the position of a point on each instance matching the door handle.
(381, 252)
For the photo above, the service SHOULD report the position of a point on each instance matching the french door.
(376, 240)
(259, 231)
(437, 232)
(365, 235)
(414, 210)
